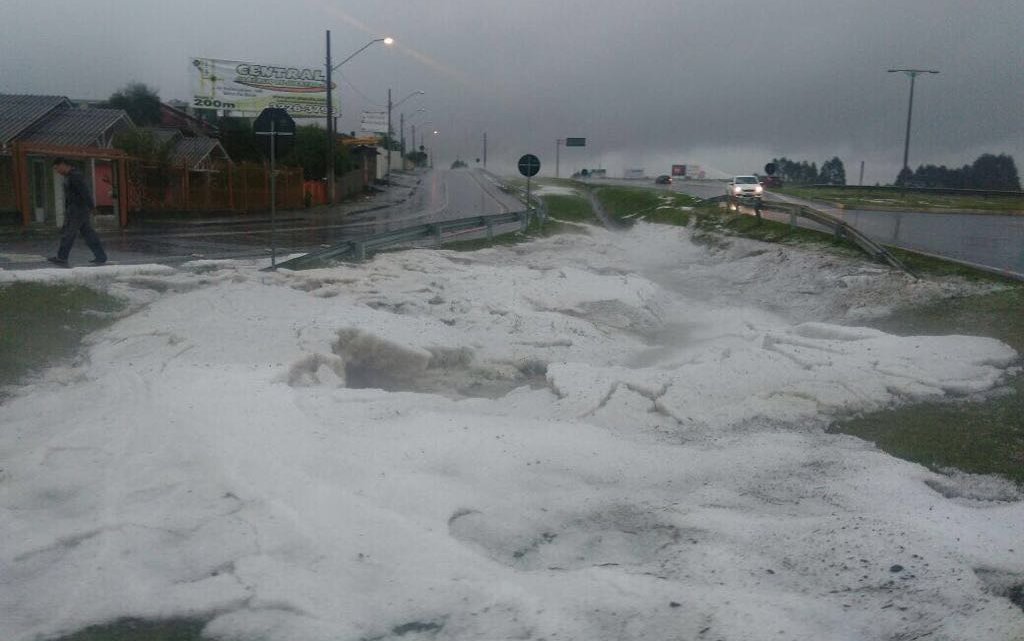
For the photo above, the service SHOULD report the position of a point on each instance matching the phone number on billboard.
(318, 110)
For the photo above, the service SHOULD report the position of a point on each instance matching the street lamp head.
(912, 72)
(388, 41)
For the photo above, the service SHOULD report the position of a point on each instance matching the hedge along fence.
(238, 187)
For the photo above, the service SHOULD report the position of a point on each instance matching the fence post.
(185, 183)
(490, 229)
(228, 169)
(360, 250)
(437, 234)
(792, 218)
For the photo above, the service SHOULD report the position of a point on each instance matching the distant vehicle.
(745, 188)
(663, 179)
(773, 182)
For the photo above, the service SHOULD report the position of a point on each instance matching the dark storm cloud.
(724, 83)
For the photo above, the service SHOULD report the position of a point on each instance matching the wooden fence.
(237, 187)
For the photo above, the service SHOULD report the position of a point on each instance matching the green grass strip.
(43, 323)
(985, 437)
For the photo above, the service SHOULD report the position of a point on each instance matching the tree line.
(802, 172)
(989, 171)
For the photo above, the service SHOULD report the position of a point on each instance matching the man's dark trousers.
(76, 223)
(78, 205)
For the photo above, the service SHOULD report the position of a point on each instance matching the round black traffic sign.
(770, 169)
(277, 124)
(529, 165)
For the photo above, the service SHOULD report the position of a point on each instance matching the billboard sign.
(679, 170)
(375, 122)
(248, 88)
(575, 142)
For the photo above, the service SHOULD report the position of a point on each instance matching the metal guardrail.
(359, 248)
(839, 228)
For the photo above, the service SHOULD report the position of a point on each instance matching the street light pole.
(390, 132)
(331, 139)
(389, 138)
(330, 127)
(912, 73)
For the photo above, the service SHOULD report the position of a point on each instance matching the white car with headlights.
(745, 188)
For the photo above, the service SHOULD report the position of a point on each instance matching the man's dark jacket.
(78, 200)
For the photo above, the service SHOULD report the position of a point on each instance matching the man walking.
(78, 205)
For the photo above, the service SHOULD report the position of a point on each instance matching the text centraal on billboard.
(280, 73)
(248, 88)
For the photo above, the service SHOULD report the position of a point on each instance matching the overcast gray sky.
(726, 84)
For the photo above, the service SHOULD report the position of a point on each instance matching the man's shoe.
(58, 261)
(98, 262)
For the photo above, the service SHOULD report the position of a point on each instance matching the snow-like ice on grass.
(614, 436)
(555, 190)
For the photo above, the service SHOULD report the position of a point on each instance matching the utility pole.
(401, 120)
(485, 150)
(912, 73)
(389, 138)
(861, 173)
(330, 128)
(558, 149)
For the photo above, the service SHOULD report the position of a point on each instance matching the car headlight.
(737, 189)
(758, 189)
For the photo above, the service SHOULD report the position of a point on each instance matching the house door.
(39, 192)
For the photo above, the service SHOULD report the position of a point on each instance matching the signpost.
(275, 131)
(529, 165)
(374, 122)
(569, 142)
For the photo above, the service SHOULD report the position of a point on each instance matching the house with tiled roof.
(78, 128)
(195, 152)
(18, 113)
(35, 129)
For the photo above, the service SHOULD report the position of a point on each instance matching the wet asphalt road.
(411, 200)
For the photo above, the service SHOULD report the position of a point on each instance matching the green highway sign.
(575, 142)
